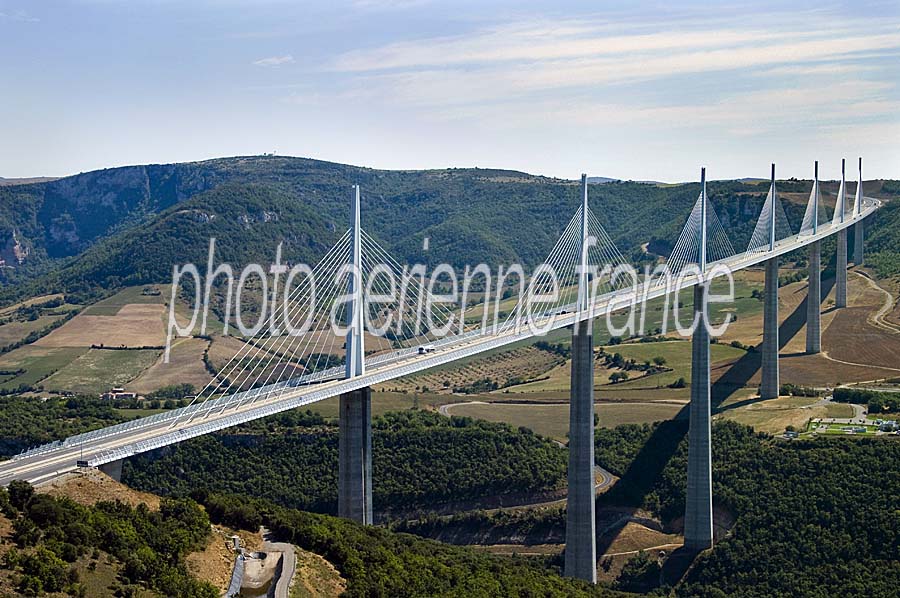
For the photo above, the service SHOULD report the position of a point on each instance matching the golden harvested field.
(774, 415)
(13, 332)
(185, 367)
(317, 341)
(134, 325)
(853, 347)
(149, 295)
(850, 337)
(223, 348)
(633, 537)
(254, 363)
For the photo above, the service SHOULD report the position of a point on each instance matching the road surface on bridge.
(122, 441)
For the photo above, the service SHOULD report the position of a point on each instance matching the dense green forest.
(52, 534)
(419, 459)
(27, 422)
(814, 518)
(378, 562)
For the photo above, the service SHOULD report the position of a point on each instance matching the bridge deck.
(124, 440)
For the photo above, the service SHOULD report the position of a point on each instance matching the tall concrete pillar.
(355, 456)
(858, 257)
(814, 300)
(581, 538)
(771, 384)
(698, 521)
(113, 469)
(840, 282)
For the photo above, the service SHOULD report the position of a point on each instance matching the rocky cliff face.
(13, 252)
(63, 217)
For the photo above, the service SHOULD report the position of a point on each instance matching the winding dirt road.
(877, 319)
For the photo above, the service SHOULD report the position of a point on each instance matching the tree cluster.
(419, 459)
(51, 534)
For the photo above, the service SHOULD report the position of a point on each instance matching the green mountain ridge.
(130, 225)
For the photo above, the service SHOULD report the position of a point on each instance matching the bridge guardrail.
(239, 399)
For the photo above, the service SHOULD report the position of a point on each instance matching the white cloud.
(828, 69)
(803, 73)
(586, 40)
(274, 61)
(736, 85)
(475, 77)
(19, 16)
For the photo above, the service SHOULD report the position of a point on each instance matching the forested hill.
(131, 224)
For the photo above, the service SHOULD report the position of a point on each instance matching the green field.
(744, 305)
(382, 402)
(137, 413)
(38, 363)
(553, 420)
(130, 295)
(99, 370)
(676, 353)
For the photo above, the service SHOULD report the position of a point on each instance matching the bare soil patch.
(185, 366)
(216, 562)
(851, 338)
(135, 325)
(88, 486)
(316, 577)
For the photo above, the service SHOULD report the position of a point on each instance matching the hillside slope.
(132, 224)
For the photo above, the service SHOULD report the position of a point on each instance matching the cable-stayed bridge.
(294, 358)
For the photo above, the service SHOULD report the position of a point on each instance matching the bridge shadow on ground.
(637, 481)
(744, 369)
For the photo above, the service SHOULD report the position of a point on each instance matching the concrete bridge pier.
(858, 238)
(355, 456)
(113, 469)
(698, 521)
(840, 283)
(581, 537)
(771, 384)
(814, 300)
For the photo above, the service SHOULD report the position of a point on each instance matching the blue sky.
(640, 90)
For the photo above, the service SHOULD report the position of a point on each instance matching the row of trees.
(876, 401)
